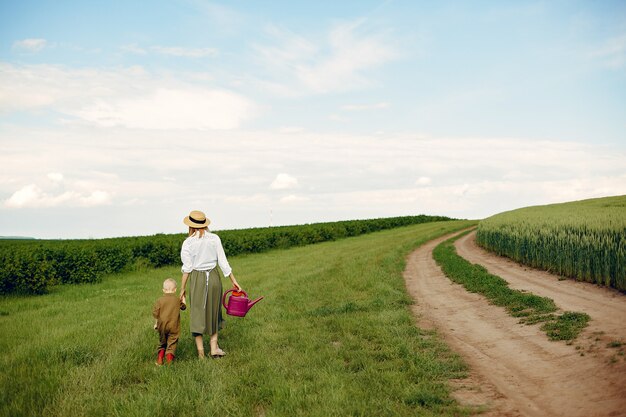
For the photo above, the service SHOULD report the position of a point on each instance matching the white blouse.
(204, 253)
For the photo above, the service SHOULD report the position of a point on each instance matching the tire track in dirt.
(515, 369)
(606, 307)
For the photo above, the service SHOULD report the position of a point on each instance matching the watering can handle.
(231, 290)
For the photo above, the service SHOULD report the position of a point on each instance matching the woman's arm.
(183, 285)
(185, 257)
(234, 281)
(224, 265)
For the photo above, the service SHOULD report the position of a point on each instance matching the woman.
(201, 253)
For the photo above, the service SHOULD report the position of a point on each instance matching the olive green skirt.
(205, 302)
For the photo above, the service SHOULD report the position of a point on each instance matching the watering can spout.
(251, 303)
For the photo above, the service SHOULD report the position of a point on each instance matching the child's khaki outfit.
(166, 311)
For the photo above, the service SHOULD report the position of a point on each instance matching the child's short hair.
(169, 284)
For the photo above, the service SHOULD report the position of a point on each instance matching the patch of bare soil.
(515, 369)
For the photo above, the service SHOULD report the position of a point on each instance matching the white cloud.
(130, 97)
(613, 52)
(469, 200)
(292, 198)
(291, 129)
(172, 109)
(24, 196)
(337, 63)
(338, 118)
(358, 107)
(96, 198)
(350, 54)
(247, 199)
(423, 181)
(133, 48)
(55, 176)
(32, 196)
(185, 52)
(283, 182)
(292, 47)
(226, 19)
(347, 176)
(177, 51)
(30, 45)
(27, 87)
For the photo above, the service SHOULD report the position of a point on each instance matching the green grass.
(333, 337)
(529, 307)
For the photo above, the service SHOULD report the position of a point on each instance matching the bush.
(32, 266)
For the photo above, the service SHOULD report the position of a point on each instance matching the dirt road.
(516, 370)
(606, 307)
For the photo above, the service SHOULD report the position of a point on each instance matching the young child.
(166, 312)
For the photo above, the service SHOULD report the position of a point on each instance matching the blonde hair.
(193, 230)
(169, 284)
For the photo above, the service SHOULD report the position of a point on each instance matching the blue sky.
(290, 112)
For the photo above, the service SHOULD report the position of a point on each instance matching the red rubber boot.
(169, 358)
(160, 356)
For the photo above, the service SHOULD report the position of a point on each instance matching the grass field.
(333, 337)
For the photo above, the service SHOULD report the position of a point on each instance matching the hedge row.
(31, 267)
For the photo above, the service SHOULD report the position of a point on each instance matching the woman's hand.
(235, 283)
(182, 295)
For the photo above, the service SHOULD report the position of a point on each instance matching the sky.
(117, 118)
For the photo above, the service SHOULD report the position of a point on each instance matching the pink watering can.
(238, 303)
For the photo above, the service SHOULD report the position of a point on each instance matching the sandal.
(218, 354)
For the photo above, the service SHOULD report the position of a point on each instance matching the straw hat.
(196, 219)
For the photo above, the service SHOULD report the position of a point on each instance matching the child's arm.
(155, 313)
